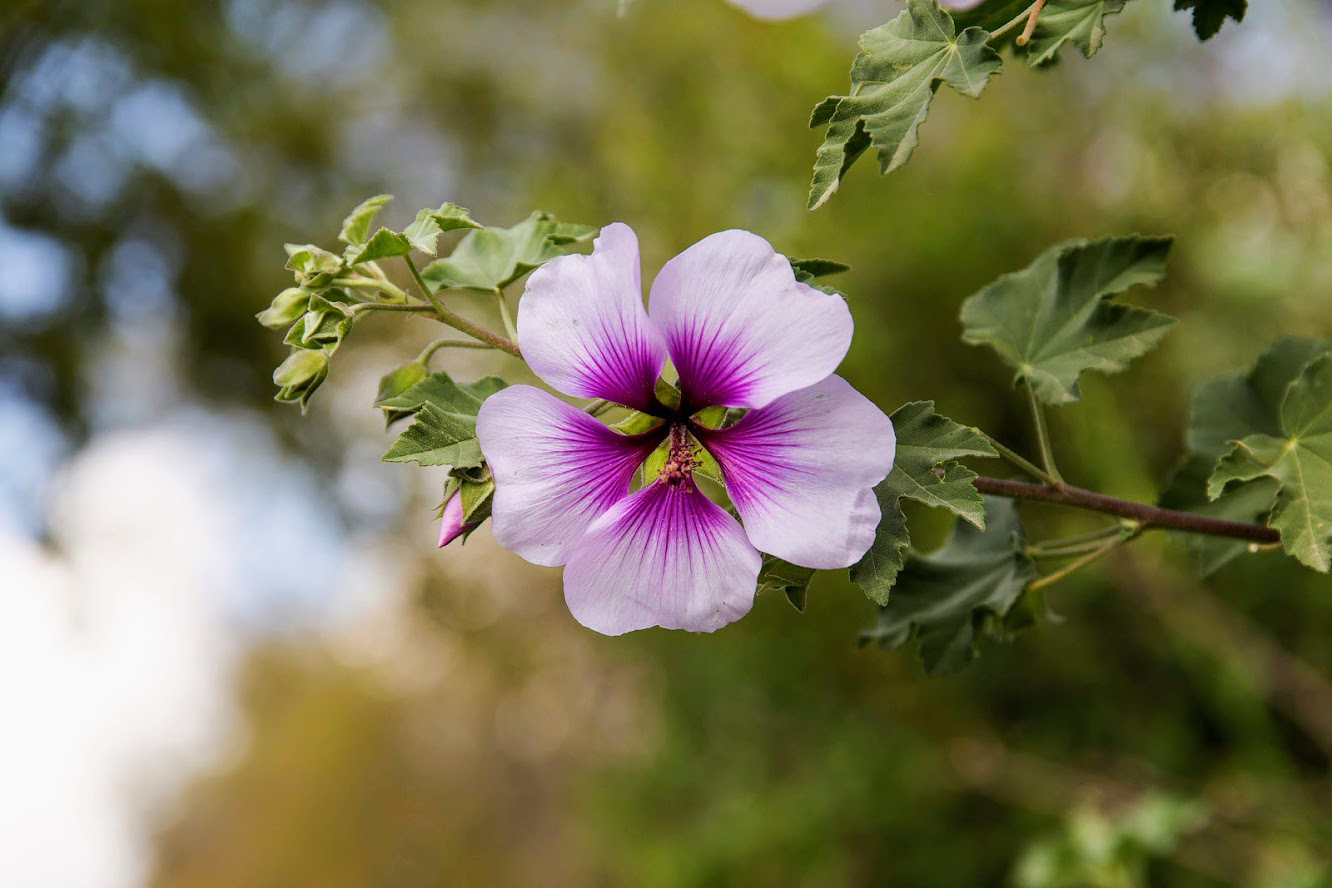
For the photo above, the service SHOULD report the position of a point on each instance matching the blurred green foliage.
(512, 747)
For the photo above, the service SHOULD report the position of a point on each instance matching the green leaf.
(437, 437)
(423, 234)
(790, 579)
(893, 79)
(1300, 458)
(356, 227)
(444, 431)
(637, 423)
(384, 244)
(954, 596)
(396, 382)
(990, 14)
(924, 440)
(1080, 21)
(491, 258)
(314, 268)
(1052, 321)
(808, 271)
(1210, 15)
(476, 497)
(325, 323)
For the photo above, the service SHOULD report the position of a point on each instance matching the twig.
(1025, 36)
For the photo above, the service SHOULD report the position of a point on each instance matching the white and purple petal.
(666, 556)
(741, 330)
(582, 327)
(556, 470)
(799, 472)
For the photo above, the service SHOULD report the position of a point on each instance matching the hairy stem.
(1070, 547)
(505, 317)
(1032, 15)
(1073, 566)
(457, 321)
(1149, 517)
(438, 344)
(1018, 460)
(1004, 29)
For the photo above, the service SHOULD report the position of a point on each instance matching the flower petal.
(556, 470)
(666, 556)
(799, 472)
(582, 327)
(741, 330)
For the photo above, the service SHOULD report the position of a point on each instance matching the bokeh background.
(230, 654)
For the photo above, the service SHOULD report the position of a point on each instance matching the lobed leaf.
(1299, 457)
(1210, 15)
(492, 258)
(893, 79)
(790, 579)
(356, 227)
(924, 440)
(1052, 321)
(444, 429)
(1081, 22)
(950, 598)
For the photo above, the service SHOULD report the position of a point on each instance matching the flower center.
(681, 459)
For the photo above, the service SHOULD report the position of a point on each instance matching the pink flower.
(741, 332)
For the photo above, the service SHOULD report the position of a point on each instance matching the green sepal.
(324, 325)
(637, 423)
(314, 268)
(969, 589)
(285, 308)
(925, 440)
(790, 579)
(710, 417)
(356, 227)
(1053, 320)
(893, 79)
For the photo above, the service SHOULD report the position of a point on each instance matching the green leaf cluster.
(925, 469)
(1053, 321)
(1272, 429)
(970, 588)
(493, 258)
(902, 64)
(443, 430)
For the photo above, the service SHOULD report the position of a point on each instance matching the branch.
(1146, 516)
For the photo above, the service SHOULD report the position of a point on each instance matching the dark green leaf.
(1300, 458)
(790, 579)
(356, 227)
(952, 597)
(491, 258)
(924, 440)
(816, 268)
(444, 431)
(1210, 15)
(893, 79)
(1052, 321)
(1080, 21)
(437, 438)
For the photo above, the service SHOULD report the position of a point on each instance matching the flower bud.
(451, 524)
(286, 308)
(300, 374)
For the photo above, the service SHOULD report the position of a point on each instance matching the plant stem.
(438, 344)
(1149, 517)
(1068, 547)
(1073, 566)
(1018, 460)
(1052, 475)
(505, 318)
(1004, 29)
(1032, 15)
(457, 321)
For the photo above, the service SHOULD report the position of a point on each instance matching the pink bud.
(451, 526)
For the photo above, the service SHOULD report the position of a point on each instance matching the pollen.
(681, 459)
